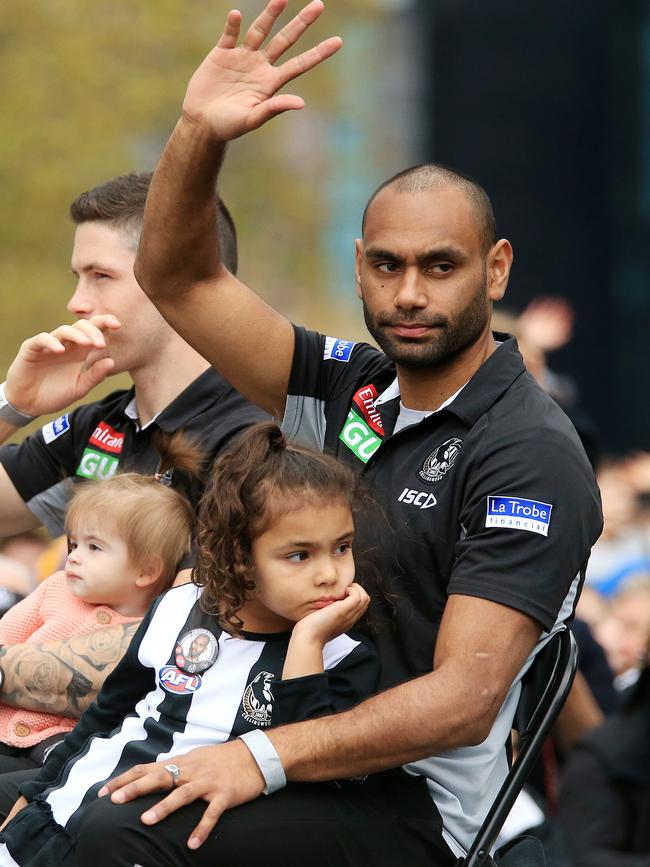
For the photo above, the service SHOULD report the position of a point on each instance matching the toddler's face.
(98, 569)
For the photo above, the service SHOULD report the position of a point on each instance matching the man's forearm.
(62, 677)
(180, 214)
(481, 647)
(426, 716)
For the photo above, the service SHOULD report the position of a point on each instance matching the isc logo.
(176, 681)
(421, 499)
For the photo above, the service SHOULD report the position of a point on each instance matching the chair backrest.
(545, 687)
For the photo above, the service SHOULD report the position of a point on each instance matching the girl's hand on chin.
(324, 624)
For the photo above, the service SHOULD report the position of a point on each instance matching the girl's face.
(99, 570)
(302, 562)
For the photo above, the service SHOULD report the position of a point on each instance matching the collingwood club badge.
(257, 703)
(440, 461)
(196, 651)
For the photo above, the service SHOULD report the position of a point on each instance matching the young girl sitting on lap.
(258, 639)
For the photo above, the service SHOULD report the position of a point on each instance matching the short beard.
(447, 342)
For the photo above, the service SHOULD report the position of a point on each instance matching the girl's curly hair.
(260, 478)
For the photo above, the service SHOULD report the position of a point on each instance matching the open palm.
(235, 89)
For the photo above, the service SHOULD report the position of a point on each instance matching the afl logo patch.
(440, 461)
(177, 682)
(257, 703)
(196, 650)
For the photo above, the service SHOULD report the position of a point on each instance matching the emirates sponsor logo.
(107, 439)
(364, 399)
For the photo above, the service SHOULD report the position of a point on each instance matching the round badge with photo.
(196, 651)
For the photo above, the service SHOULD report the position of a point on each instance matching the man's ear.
(150, 571)
(358, 258)
(499, 262)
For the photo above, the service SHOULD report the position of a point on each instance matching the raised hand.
(54, 369)
(235, 89)
(547, 323)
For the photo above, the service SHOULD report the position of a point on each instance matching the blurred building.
(548, 105)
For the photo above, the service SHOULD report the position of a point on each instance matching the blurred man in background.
(118, 330)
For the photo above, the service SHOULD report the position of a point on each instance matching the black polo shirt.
(491, 496)
(97, 439)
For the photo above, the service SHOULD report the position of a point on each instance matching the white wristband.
(11, 415)
(268, 761)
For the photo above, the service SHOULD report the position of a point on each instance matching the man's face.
(102, 262)
(423, 276)
(197, 647)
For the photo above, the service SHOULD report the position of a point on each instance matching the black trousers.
(9, 783)
(18, 766)
(385, 821)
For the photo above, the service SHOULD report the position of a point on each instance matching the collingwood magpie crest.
(257, 703)
(440, 461)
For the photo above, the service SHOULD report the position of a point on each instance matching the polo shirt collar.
(192, 401)
(131, 411)
(389, 393)
(490, 381)
(487, 385)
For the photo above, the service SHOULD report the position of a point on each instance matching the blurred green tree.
(92, 88)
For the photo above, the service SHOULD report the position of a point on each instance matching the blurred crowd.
(24, 560)
(590, 801)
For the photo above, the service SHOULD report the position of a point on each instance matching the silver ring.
(175, 771)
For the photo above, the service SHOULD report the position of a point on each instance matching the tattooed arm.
(62, 677)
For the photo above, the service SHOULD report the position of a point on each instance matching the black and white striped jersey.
(151, 710)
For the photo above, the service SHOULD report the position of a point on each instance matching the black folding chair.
(545, 687)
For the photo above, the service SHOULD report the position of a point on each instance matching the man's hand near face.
(53, 370)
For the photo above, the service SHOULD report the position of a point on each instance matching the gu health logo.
(359, 437)
(97, 465)
(95, 462)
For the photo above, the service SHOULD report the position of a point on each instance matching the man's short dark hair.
(120, 203)
(424, 177)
